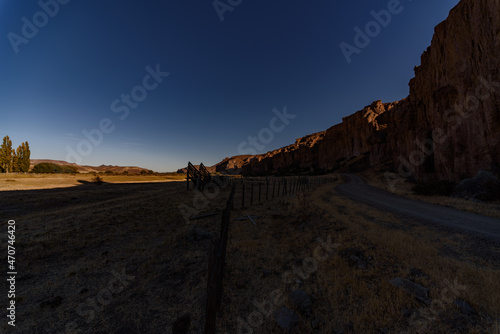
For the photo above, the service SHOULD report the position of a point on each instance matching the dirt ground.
(114, 258)
(122, 258)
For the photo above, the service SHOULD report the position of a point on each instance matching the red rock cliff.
(449, 126)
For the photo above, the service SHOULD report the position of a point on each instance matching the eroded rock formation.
(448, 128)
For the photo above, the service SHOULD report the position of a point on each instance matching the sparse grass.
(351, 299)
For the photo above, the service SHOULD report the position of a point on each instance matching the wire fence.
(245, 192)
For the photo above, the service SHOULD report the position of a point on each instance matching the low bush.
(434, 188)
(97, 180)
(54, 169)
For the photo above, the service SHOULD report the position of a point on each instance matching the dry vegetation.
(350, 289)
(72, 242)
(49, 181)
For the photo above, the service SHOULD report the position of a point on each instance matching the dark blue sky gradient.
(225, 77)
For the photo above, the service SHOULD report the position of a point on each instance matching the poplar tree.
(25, 160)
(6, 155)
(16, 159)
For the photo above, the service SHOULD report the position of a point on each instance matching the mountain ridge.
(90, 169)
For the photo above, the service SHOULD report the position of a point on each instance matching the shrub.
(54, 169)
(97, 180)
(434, 188)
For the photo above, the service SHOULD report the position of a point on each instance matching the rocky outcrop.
(302, 156)
(448, 128)
(234, 164)
(456, 91)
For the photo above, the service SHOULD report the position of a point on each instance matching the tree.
(25, 160)
(6, 155)
(21, 158)
(16, 159)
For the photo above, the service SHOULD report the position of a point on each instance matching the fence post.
(243, 196)
(260, 186)
(251, 194)
(267, 189)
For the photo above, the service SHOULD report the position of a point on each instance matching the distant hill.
(90, 169)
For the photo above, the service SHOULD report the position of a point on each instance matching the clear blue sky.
(225, 77)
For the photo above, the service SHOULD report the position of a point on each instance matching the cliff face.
(449, 126)
(456, 91)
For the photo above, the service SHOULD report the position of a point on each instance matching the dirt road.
(355, 188)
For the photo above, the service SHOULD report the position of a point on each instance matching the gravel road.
(355, 188)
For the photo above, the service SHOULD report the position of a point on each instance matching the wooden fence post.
(251, 194)
(260, 186)
(267, 189)
(243, 196)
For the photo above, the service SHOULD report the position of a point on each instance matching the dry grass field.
(121, 258)
(50, 181)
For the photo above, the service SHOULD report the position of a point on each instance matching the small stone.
(355, 258)
(417, 290)
(286, 318)
(316, 323)
(405, 313)
(302, 300)
(267, 272)
(464, 307)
